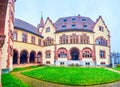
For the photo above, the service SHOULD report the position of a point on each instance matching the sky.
(30, 11)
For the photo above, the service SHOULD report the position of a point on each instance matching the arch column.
(80, 55)
(69, 56)
(39, 57)
(36, 58)
(18, 58)
(18, 62)
(28, 59)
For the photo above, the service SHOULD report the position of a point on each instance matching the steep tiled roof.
(66, 30)
(22, 25)
(74, 22)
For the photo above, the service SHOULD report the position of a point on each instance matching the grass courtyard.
(9, 80)
(74, 75)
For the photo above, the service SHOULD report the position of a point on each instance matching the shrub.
(118, 65)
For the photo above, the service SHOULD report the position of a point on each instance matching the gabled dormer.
(100, 28)
(48, 29)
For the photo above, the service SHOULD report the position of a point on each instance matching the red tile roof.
(78, 21)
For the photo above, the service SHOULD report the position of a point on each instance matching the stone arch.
(74, 53)
(23, 56)
(87, 52)
(62, 52)
(15, 56)
(39, 57)
(32, 56)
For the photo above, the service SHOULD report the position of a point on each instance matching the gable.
(48, 29)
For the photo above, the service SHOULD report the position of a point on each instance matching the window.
(83, 20)
(101, 28)
(73, 20)
(48, 41)
(74, 38)
(84, 39)
(48, 54)
(101, 41)
(48, 29)
(62, 55)
(15, 35)
(62, 63)
(102, 54)
(85, 26)
(32, 39)
(39, 42)
(65, 20)
(102, 63)
(73, 26)
(64, 26)
(24, 37)
(87, 53)
(47, 62)
(87, 63)
(64, 39)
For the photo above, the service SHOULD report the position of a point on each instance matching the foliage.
(118, 65)
(9, 80)
(24, 68)
(74, 75)
(117, 68)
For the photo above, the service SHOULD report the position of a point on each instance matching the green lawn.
(74, 75)
(24, 68)
(117, 68)
(9, 80)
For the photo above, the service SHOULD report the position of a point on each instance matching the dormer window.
(73, 20)
(73, 26)
(101, 28)
(65, 20)
(48, 29)
(64, 26)
(83, 20)
(85, 26)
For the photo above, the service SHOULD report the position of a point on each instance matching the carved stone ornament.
(2, 40)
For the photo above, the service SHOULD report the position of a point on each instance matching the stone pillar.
(79, 39)
(18, 62)
(80, 55)
(28, 59)
(41, 60)
(69, 56)
(36, 59)
(68, 38)
(2, 39)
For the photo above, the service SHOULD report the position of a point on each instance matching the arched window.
(15, 56)
(84, 39)
(48, 41)
(62, 53)
(64, 39)
(87, 53)
(74, 38)
(32, 56)
(101, 41)
(23, 56)
(39, 56)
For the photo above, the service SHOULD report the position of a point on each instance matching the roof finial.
(78, 14)
(41, 15)
(41, 21)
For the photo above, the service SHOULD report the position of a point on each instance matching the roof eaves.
(19, 28)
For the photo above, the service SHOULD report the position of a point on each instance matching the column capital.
(2, 40)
